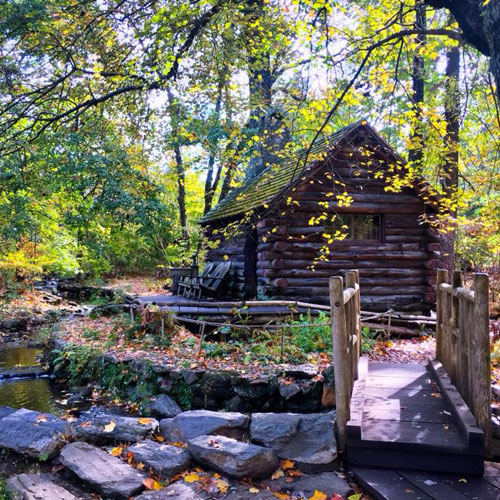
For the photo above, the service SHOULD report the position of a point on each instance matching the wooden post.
(352, 326)
(481, 357)
(340, 358)
(451, 325)
(442, 277)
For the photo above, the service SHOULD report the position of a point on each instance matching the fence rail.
(463, 342)
(345, 307)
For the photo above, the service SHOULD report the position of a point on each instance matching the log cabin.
(340, 206)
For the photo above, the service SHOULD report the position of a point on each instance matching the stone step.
(234, 458)
(37, 487)
(102, 472)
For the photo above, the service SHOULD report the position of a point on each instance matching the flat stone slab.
(103, 472)
(176, 491)
(308, 439)
(37, 435)
(165, 460)
(305, 485)
(104, 428)
(191, 424)
(37, 487)
(232, 457)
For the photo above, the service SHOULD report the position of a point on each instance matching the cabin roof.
(275, 179)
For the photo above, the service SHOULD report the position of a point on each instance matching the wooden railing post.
(442, 277)
(341, 363)
(481, 357)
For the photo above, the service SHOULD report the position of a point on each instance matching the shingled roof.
(273, 182)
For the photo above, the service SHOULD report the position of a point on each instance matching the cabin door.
(250, 271)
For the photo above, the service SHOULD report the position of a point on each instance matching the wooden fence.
(463, 341)
(346, 337)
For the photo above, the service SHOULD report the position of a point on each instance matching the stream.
(40, 393)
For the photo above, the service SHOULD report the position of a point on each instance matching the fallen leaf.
(191, 478)
(253, 489)
(140, 466)
(160, 439)
(151, 484)
(110, 427)
(222, 485)
(294, 473)
(462, 480)
(287, 464)
(318, 495)
(84, 424)
(117, 451)
(282, 496)
(145, 421)
(356, 496)
(213, 443)
(436, 395)
(41, 418)
(277, 474)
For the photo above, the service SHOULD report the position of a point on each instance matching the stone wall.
(300, 388)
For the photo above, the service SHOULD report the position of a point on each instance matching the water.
(39, 394)
(15, 356)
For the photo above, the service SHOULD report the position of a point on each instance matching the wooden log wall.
(398, 271)
(230, 247)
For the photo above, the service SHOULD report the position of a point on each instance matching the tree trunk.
(452, 118)
(179, 165)
(416, 153)
(211, 186)
(480, 24)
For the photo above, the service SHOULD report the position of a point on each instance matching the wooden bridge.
(418, 431)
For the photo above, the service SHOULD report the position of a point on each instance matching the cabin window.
(357, 227)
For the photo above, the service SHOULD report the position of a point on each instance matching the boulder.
(104, 473)
(287, 391)
(305, 485)
(232, 457)
(241, 491)
(6, 410)
(176, 491)
(36, 487)
(165, 460)
(306, 370)
(191, 424)
(38, 435)
(165, 407)
(308, 439)
(104, 428)
(257, 388)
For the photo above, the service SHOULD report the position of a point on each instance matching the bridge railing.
(463, 341)
(345, 306)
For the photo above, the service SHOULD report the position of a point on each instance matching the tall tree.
(416, 153)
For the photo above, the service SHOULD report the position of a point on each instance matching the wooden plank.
(423, 382)
(396, 370)
(429, 434)
(386, 484)
(432, 485)
(408, 415)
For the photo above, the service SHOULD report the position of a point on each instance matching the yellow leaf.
(253, 489)
(222, 485)
(160, 439)
(191, 478)
(140, 466)
(110, 427)
(145, 421)
(151, 484)
(277, 474)
(287, 464)
(282, 496)
(318, 495)
(116, 452)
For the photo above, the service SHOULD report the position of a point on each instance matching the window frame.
(352, 241)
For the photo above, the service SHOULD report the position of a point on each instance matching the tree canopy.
(123, 121)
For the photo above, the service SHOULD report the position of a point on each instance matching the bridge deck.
(410, 416)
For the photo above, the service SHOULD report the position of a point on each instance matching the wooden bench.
(209, 280)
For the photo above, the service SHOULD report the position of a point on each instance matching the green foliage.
(368, 339)
(182, 393)
(317, 338)
(81, 362)
(4, 493)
